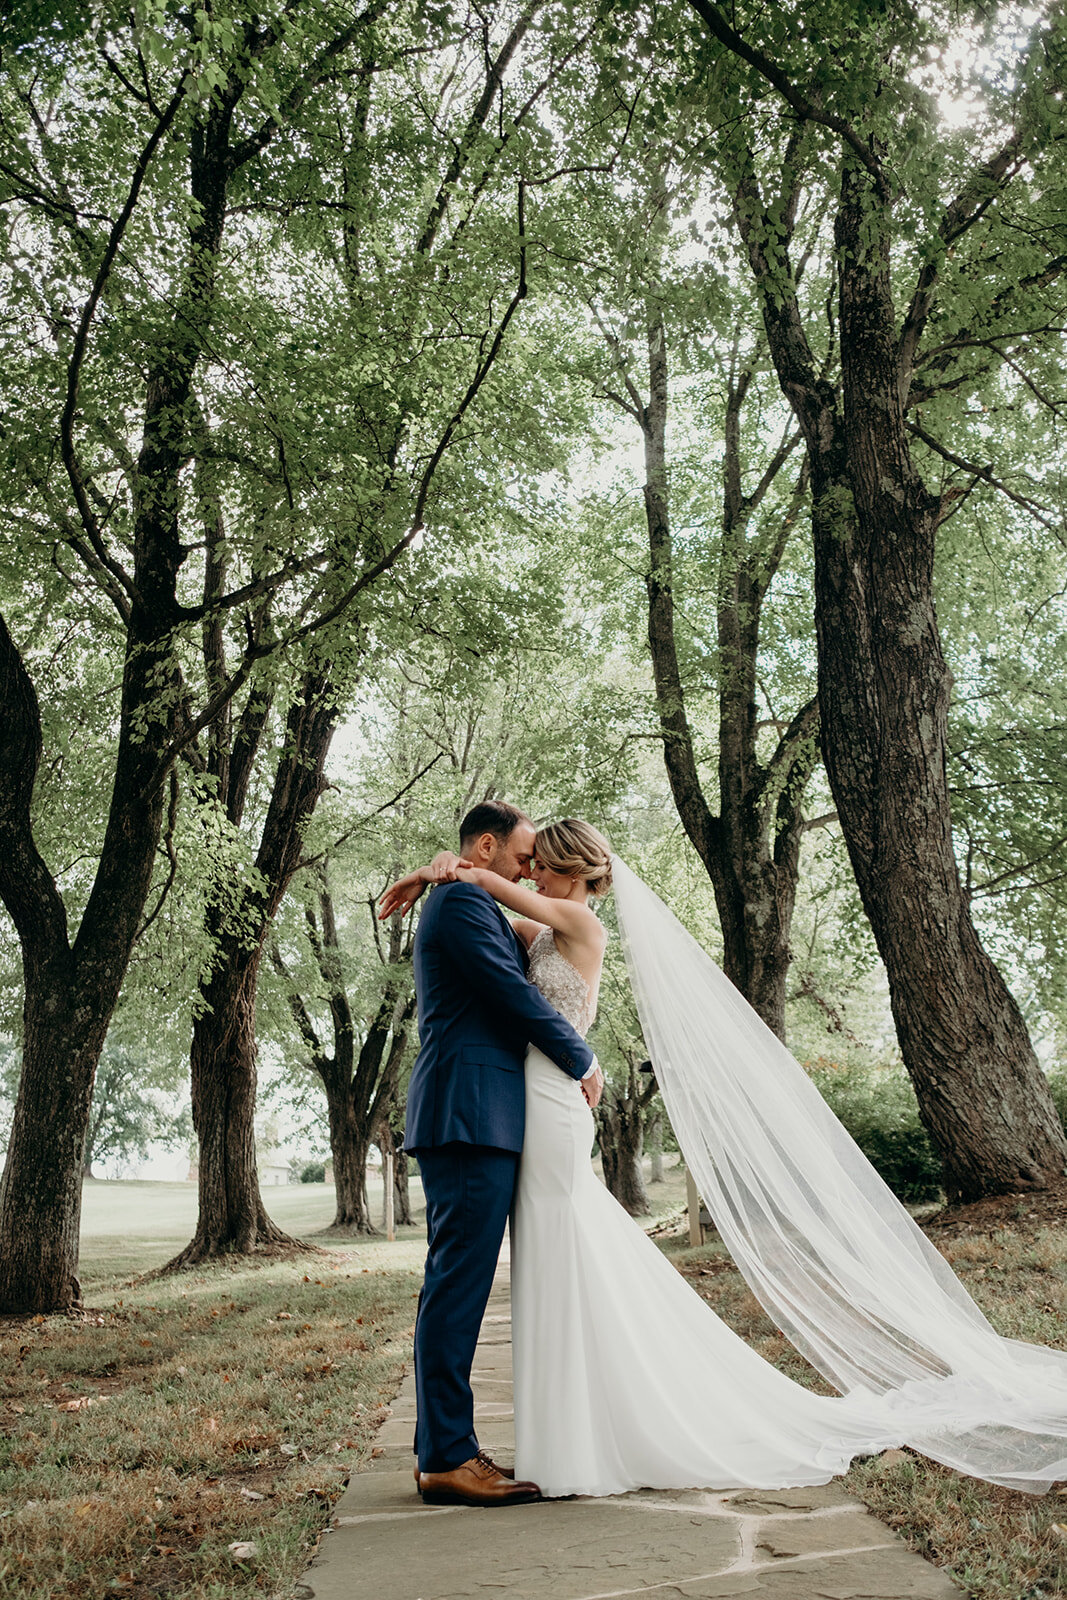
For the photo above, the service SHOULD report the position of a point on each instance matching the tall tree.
(842, 90)
(749, 840)
(685, 354)
(423, 330)
(360, 1067)
(118, 264)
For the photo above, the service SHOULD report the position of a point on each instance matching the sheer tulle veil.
(825, 1246)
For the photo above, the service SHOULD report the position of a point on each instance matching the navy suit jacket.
(477, 1013)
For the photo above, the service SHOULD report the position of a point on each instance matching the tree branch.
(1039, 512)
(1016, 872)
(494, 79)
(310, 80)
(721, 30)
(297, 1008)
(81, 340)
(168, 845)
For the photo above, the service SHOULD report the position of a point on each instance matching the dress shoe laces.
(487, 1464)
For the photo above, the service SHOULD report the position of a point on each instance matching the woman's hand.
(402, 895)
(446, 867)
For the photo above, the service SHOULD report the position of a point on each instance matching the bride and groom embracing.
(624, 1378)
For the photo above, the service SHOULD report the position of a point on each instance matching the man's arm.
(470, 928)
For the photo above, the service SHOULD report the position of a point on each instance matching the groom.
(465, 1116)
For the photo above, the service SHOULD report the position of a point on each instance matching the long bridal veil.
(824, 1244)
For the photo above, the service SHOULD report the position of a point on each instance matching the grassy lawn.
(130, 1228)
(180, 1416)
(998, 1545)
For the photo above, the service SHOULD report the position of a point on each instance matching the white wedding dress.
(625, 1378)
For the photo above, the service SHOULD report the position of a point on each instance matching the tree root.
(349, 1230)
(200, 1251)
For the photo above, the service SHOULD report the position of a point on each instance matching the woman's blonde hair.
(578, 849)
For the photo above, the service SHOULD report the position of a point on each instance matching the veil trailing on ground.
(825, 1246)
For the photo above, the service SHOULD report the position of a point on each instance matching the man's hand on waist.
(593, 1084)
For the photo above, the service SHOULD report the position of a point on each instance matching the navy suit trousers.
(469, 1189)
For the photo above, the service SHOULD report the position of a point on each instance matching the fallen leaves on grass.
(243, 1550)
(203, 1444)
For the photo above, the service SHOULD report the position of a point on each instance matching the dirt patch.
(1026, 1212)
(708, 1269)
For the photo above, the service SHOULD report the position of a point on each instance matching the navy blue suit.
(465, 1117)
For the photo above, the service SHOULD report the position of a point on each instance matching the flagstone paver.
(790, 1544)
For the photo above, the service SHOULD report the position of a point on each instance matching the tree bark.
(351, 1129)
(350, 1144)
(654, 1147)
(884, 691)
(390, 1141)
(223, 1055)
(620, 1124)
(401, 1185)
(43, 1176)
(232, 1217)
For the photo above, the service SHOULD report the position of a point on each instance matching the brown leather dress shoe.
(483, 1455)
(476, 1483)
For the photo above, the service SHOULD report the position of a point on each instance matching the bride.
(624, 1377)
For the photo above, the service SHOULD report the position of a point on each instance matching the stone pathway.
(793, 1544)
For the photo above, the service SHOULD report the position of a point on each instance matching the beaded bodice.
(561, 984)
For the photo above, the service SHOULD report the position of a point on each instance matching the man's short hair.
(492, 816)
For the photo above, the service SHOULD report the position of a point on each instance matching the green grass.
(272, 1376)
(181, 1414)
(130, 1227)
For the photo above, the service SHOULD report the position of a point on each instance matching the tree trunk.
(223, 1055)
(38, 1267)
(620, 1129)
(71, 990)
(389, 1143)
(654, 1147)
(401, 1186)
(350, 1144)
(232, 1218)
(884, 692)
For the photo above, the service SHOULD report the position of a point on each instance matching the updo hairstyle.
(578, 850)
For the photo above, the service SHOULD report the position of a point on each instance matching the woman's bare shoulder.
(527, 929)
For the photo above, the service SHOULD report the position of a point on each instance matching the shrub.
(314, 1172)
(1057, 1082)
(878, 1107)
